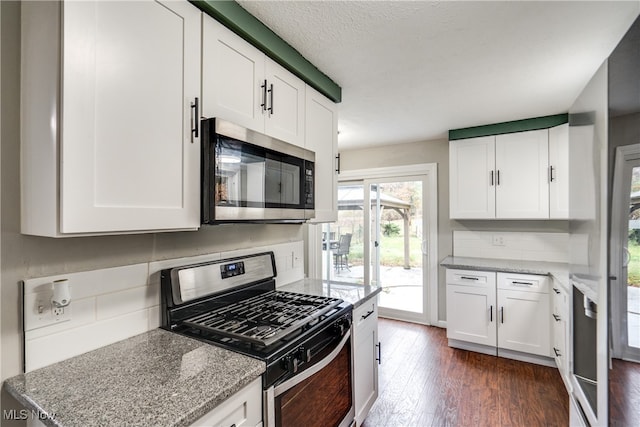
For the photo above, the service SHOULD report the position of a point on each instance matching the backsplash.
(523, 246)
(113, 304)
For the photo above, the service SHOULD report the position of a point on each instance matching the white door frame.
(619, 225)
(430, 267)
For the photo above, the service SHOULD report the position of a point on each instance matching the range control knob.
(304, 354)
(341, 325)
(290, 363)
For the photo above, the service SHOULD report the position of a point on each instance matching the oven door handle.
(281, 388)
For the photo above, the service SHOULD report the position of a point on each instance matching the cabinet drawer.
(471, 278)
(365, 314)
(524, 282)
(242, 409)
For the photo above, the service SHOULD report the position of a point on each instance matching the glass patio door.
(625, 311)
(396, 243)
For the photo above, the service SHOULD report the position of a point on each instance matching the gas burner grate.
(265, 318)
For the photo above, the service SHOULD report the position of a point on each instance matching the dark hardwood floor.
(624, 394)
(423, 382)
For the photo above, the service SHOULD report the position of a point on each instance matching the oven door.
(320, 396)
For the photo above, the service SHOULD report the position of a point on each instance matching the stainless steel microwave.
(250, 177)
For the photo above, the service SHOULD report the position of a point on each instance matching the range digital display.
(232, 269)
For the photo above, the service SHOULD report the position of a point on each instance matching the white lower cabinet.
(366, 356)
(560, 319)
(499, 313)
(242, 409)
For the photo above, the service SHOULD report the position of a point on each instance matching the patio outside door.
(396, 237)
(625, 290)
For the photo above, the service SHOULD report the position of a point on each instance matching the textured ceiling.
(412, 70)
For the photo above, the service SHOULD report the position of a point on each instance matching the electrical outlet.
(498, 240)
(40, 312)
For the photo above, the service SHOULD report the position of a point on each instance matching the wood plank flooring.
(624, 394)
(423, 382)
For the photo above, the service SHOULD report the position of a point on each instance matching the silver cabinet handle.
(491, 178)
(551, 177)
(379, 358)
(491, 314)
(501, 314)
(498, 177)
(556, 290)
(556, 317)
(516, 282)
(557, 352)
(469, 278)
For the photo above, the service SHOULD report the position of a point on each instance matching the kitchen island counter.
(353, 293)
(156, 378)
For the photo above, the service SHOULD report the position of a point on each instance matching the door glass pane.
(633, 267)
(397, 207)
(342, 241)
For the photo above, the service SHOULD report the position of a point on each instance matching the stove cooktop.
(265, 318)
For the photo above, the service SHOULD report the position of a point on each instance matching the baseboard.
(500, 352)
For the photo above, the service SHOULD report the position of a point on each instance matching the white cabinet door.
(242, 85)
(471, 310)
(523, 321)
(365, 363)
(285, 104)
(233, 85)
(471, 314)
(321, 129)
(471, 178)
(128, 158)
(559, 172)
(560, 320)
(96, 158)
(522, 163)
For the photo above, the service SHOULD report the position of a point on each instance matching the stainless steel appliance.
(248, 176)
(303, 339)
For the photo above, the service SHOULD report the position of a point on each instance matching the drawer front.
(471, 278)
(365, 314)
(524, 282)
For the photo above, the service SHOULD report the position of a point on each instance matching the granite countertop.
(352, 293)
(156, 378)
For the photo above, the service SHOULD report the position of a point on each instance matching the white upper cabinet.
(244, 86)
(520, 175)
(321, 130)
(559, 172)
(108, 89)
(522, 164)
(232, 75)
(471, 178)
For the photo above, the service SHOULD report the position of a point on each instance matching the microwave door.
(290, 185)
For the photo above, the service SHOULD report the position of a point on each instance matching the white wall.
(437, 151)
(24, 257)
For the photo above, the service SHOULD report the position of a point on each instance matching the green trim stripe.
(238, 20)
(510, 127)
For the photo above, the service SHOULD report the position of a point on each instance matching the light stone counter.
(352, 293)
(158, 378)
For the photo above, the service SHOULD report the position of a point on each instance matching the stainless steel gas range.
(304, 340)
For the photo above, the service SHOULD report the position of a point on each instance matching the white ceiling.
(412, 70)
